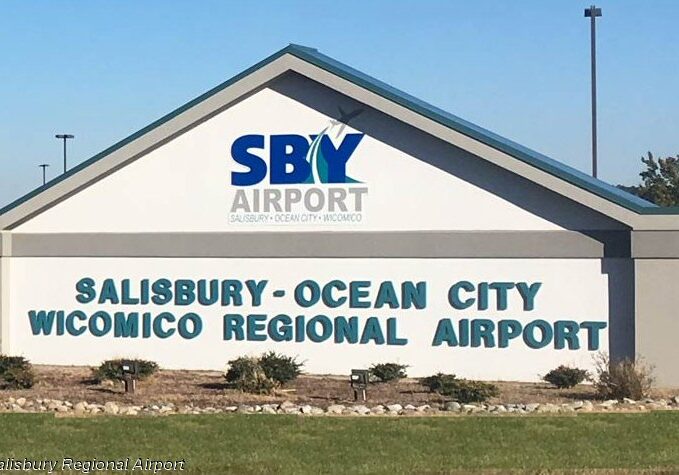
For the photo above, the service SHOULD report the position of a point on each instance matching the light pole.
(592, 13)
(64, 137)
(44, 176)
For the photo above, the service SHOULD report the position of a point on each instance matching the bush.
(461, 390)
(280, 368)
(566, 377)
(439, 382)
(16, 372)
(468, 390)
(623, 379)
(113, 369)
(246, 373)
(388, 371)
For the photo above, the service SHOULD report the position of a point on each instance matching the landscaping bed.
(72, 390)
(75, 383)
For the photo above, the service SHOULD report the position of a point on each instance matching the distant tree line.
(659, 181)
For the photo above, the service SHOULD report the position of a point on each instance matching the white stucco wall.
(572, 289)
(185, 185)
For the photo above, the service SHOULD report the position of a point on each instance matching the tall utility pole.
(592, 13)
(64, 137)
(44, 176)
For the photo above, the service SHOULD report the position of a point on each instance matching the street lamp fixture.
(592, 13)
(64, 137)
(44, 168)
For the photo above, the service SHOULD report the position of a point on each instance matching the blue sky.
(104, 69)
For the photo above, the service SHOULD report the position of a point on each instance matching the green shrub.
(388, 371)
(623, 379)
(113, 369)
(468, 390)
(16, 372)
(280, 368)
(461, 390)
(246, 373)
(565, 376)
(438, 382)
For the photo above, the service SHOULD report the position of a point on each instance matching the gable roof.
(313, 57)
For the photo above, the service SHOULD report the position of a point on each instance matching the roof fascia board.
(465, 142)
(311, 63)
(143, 142)
(513, 149)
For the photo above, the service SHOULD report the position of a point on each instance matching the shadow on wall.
(453, 160)
(538, 200)
(620, 307)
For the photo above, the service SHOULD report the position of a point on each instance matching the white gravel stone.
(335, 409)
(361, 409)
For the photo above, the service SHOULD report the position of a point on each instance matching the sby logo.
(300, 163)
(294, 159)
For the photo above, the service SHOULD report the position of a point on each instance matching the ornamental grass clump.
(623, 379)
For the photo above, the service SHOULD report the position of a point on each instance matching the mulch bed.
(208, 388)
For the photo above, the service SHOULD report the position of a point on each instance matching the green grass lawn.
(291, 444)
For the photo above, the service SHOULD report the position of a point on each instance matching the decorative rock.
(111, 408)
(453, 406)
(627, 400)
(532, 407)
(378, 410)
(335, 409)
(21, 401)
(306, 409)
(423, 408)
(547, 408)
(608, 404)
(361, 409)
(409, 407)
(80, 407)
(394, 408)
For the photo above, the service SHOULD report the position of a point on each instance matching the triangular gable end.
(301, 92)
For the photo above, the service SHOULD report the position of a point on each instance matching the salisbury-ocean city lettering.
(364, 313)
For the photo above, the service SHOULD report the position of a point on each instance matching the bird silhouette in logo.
(345, 118)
